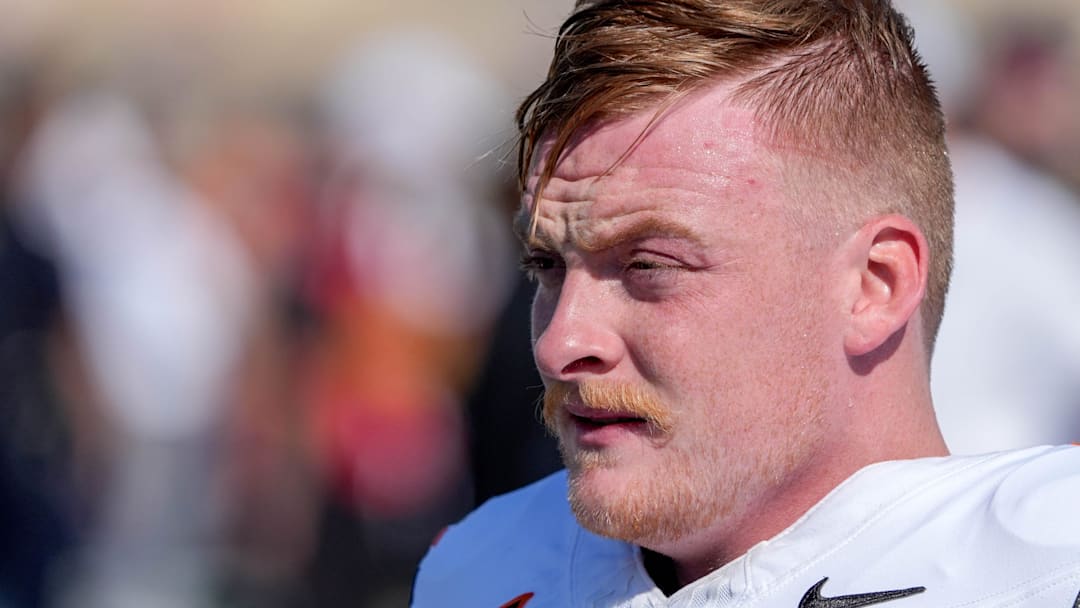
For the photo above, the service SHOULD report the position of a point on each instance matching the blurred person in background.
(255, 161)
(158, 291)
(1006, 369)
(408, 279)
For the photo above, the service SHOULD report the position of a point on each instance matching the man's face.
(683, 323)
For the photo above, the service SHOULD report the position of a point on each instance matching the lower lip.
(595, 435)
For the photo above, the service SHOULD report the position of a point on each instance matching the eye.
(649, 275)
(542, 267)
(646, 264)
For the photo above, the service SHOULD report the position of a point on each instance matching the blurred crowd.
(259, 344)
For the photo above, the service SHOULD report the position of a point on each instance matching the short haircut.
(837, 80)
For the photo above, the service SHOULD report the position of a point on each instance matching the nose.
(574, 334)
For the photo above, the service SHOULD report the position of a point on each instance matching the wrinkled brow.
(632, 230)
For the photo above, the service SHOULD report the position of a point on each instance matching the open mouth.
(602, 421)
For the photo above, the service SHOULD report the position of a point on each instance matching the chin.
(632, 503)
(603, 506)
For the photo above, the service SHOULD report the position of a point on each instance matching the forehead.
(701, 149)
(693, 132)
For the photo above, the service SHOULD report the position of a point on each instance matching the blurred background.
(261, 331)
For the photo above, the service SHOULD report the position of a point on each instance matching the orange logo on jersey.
(519, 601)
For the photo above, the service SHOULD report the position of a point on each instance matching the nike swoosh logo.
(813, 598)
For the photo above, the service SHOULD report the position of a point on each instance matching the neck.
(675, 565)
(869, 424)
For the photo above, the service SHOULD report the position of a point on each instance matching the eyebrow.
(639, 229)
(635, 230)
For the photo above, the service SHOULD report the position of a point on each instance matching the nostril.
(582, 364)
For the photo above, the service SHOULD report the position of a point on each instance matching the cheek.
(736, 345)
(693, 354)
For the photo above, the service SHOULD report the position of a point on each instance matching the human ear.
(889, 260)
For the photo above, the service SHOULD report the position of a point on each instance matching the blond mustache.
(622, 398)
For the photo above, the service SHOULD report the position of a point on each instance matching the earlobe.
(889, 255)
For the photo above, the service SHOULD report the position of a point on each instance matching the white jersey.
(992, 531)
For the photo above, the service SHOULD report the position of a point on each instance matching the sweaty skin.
(681, 272)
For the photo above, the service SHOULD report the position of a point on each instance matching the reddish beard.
(649, 508)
